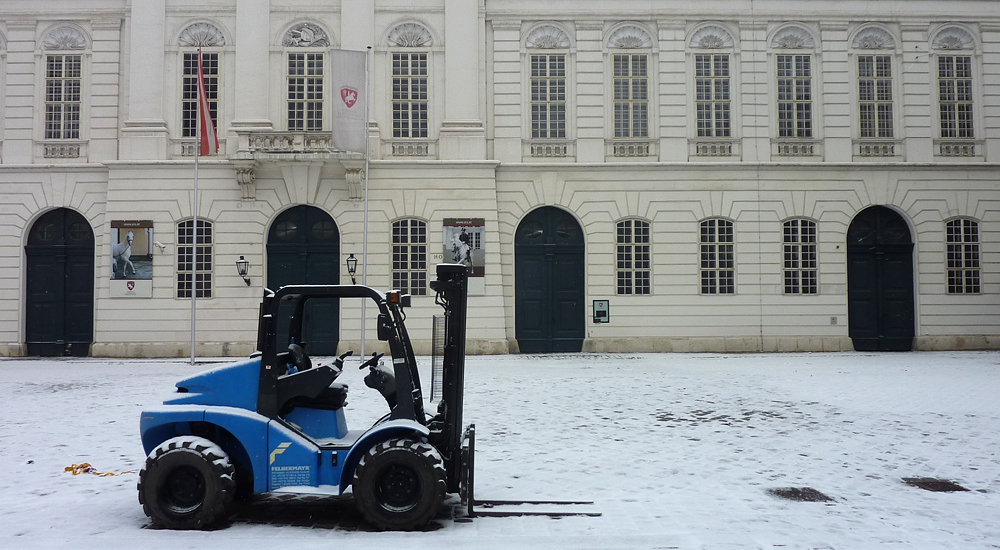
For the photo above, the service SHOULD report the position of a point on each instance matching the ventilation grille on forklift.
(437, 358)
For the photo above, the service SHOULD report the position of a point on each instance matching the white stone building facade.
(634, 175)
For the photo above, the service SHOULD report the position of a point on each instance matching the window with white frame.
(875, 103)
(189, 85)
(548, 96)
(409, 95)
(717, 256)
(713, 97)
(631, 95)
(194, 259)
(409, 256)
(305, 91)
(955, 96)
(63, 95)
(795, 95)
(801, 263)
(633, 257)
(963, 256)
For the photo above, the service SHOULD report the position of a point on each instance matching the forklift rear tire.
(187, 483)
(399, 484)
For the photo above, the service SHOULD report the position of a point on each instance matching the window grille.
(63, 96)
(633, 257)
(194, 259)
(189, 85)
(801, 263)
(955, 96)
(409, 95)
(305, 91)
(795, 102)
(409, 256)
(548, 96)
(963, 257)
(718, 260)
(875, 96)
(631, 102)
(713, 96)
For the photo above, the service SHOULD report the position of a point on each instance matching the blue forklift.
(275, 422)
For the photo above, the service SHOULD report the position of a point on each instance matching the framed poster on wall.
(463, 244)
(131, 259)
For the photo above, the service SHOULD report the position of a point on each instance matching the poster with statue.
(131, 268)
(463, 244)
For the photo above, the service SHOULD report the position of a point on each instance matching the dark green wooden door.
(59, 309)
(880, 281)
(549, 282)
(303, 248)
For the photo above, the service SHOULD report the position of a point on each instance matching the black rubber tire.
(399, 484)
(186, 483)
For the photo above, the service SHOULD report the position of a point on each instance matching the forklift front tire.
(399, 484)
(186, 483)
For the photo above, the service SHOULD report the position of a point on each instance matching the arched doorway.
(59, 284)
(549, 282)
(880, 281)
(303, 247)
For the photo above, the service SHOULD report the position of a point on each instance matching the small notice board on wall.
(131, 259)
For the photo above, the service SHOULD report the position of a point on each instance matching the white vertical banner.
(350, 119)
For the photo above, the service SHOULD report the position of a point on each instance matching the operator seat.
(311, 387)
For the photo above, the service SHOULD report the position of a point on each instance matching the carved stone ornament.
(630, 37)
(547, 37)
(201, 34)
(792, 38)
(410, 35)
(954, 38)
(874, 38)
(712, 37)
(305, 35)
(64, 38)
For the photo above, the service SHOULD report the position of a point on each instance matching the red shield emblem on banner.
(349, 95)
(130, 285)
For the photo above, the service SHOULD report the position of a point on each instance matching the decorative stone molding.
(305, 35)
(64, 38)
(201, 34)
(712, 37)
(246, 173)
(793, 38)
(635, 148)
(953, 38)
(410, 35)
(630, 37)
(874, 38)
(506, 24)
(714, 148)
(61, 150)
(355, 183)
(880, 149)
(547, 37)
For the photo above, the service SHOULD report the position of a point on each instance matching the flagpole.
(194, 207)
(364, 246)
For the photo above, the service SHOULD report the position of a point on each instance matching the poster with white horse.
(131, 262)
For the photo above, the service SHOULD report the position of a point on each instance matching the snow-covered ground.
(676, 451)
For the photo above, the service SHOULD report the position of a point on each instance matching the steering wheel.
(299, 357)
(373, 361)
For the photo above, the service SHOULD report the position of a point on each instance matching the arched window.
(64, 47)
(306, 44)
(410, 88)
(207, 38)
(963, 256)
(194, 259)
(630, 70)
(953, 50)
(801, 264)
(633, 257)
(547, 62)
(794, 49)
(409, 256)
(717, 256)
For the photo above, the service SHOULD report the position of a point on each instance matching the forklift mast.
(452, 288)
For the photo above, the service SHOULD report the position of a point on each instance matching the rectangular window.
(712, 95)
(305, 91)
(63, 96)
(194, 259)
(633, 267)
(189, 100)
(718, 259)
(409, 95)
(795, 96)
(963, 257)
(548, 96)
(955, 96)
(800, 257)
(631, 103)
(409, 256)
(875, 96)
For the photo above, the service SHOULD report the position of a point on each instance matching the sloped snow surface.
(676, 451)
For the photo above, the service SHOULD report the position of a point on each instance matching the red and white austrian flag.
(350, 121)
